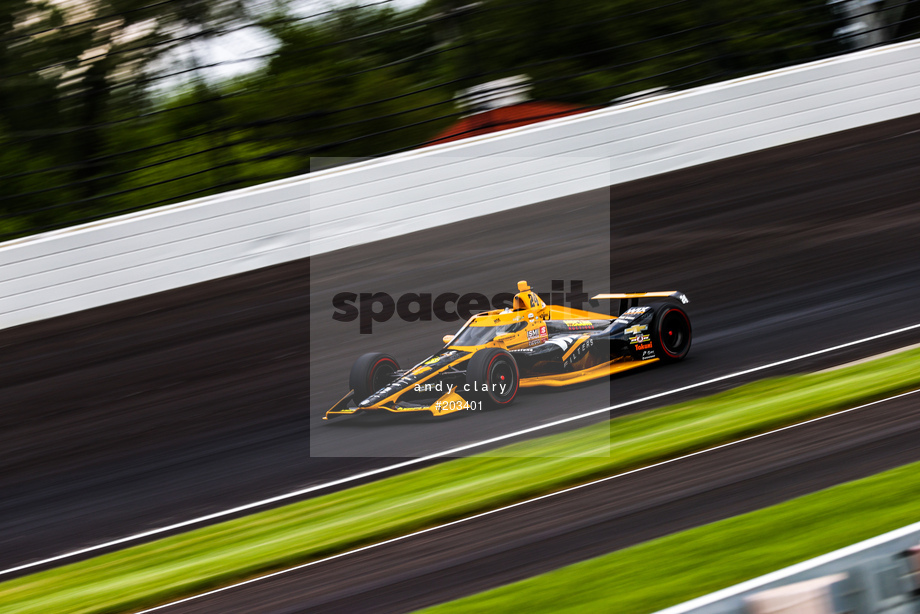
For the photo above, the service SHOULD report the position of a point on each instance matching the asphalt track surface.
(523, 541)
(152, 411)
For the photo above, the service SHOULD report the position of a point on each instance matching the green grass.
(673, 569)
(211, 556)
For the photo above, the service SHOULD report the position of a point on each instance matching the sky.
(233, 50)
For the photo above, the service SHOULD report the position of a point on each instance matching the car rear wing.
(631, 299)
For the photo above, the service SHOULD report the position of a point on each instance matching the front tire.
(370, 373)
(487, 371)
(671, 335)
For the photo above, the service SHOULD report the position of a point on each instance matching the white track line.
(423, 459)
(525, 502)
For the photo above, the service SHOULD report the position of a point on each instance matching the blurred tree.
(70, 70)
(88, 125)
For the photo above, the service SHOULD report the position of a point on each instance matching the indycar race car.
(498, 352)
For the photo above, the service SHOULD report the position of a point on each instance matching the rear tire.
(370, 373)
(672, 334)
(486, 371)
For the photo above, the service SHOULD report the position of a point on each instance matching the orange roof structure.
(503, 118)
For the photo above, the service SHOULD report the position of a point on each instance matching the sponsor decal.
(647, 354)
(382, 393)
(631, 314)
(578, 353)
(432, 360)
(564, 342)
(636, 328)
(639, 338)
(537, 333)
(578, 324)
(646, 346)
(420, 370)
(634, 311)
(621, 321)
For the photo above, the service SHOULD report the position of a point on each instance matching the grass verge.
(673, 569)
(204, 558)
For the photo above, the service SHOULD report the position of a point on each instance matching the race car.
(498, 352)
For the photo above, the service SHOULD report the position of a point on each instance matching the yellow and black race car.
(498, 352)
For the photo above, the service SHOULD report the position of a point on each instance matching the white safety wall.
(874, 577)
(87, 266)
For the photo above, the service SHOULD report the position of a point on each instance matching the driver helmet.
(527, 299)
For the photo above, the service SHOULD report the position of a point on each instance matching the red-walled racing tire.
(370, 373)
(486, 372)
(671, 334)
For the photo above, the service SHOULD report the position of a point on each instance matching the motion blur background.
(110, 106)
(175, 367)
